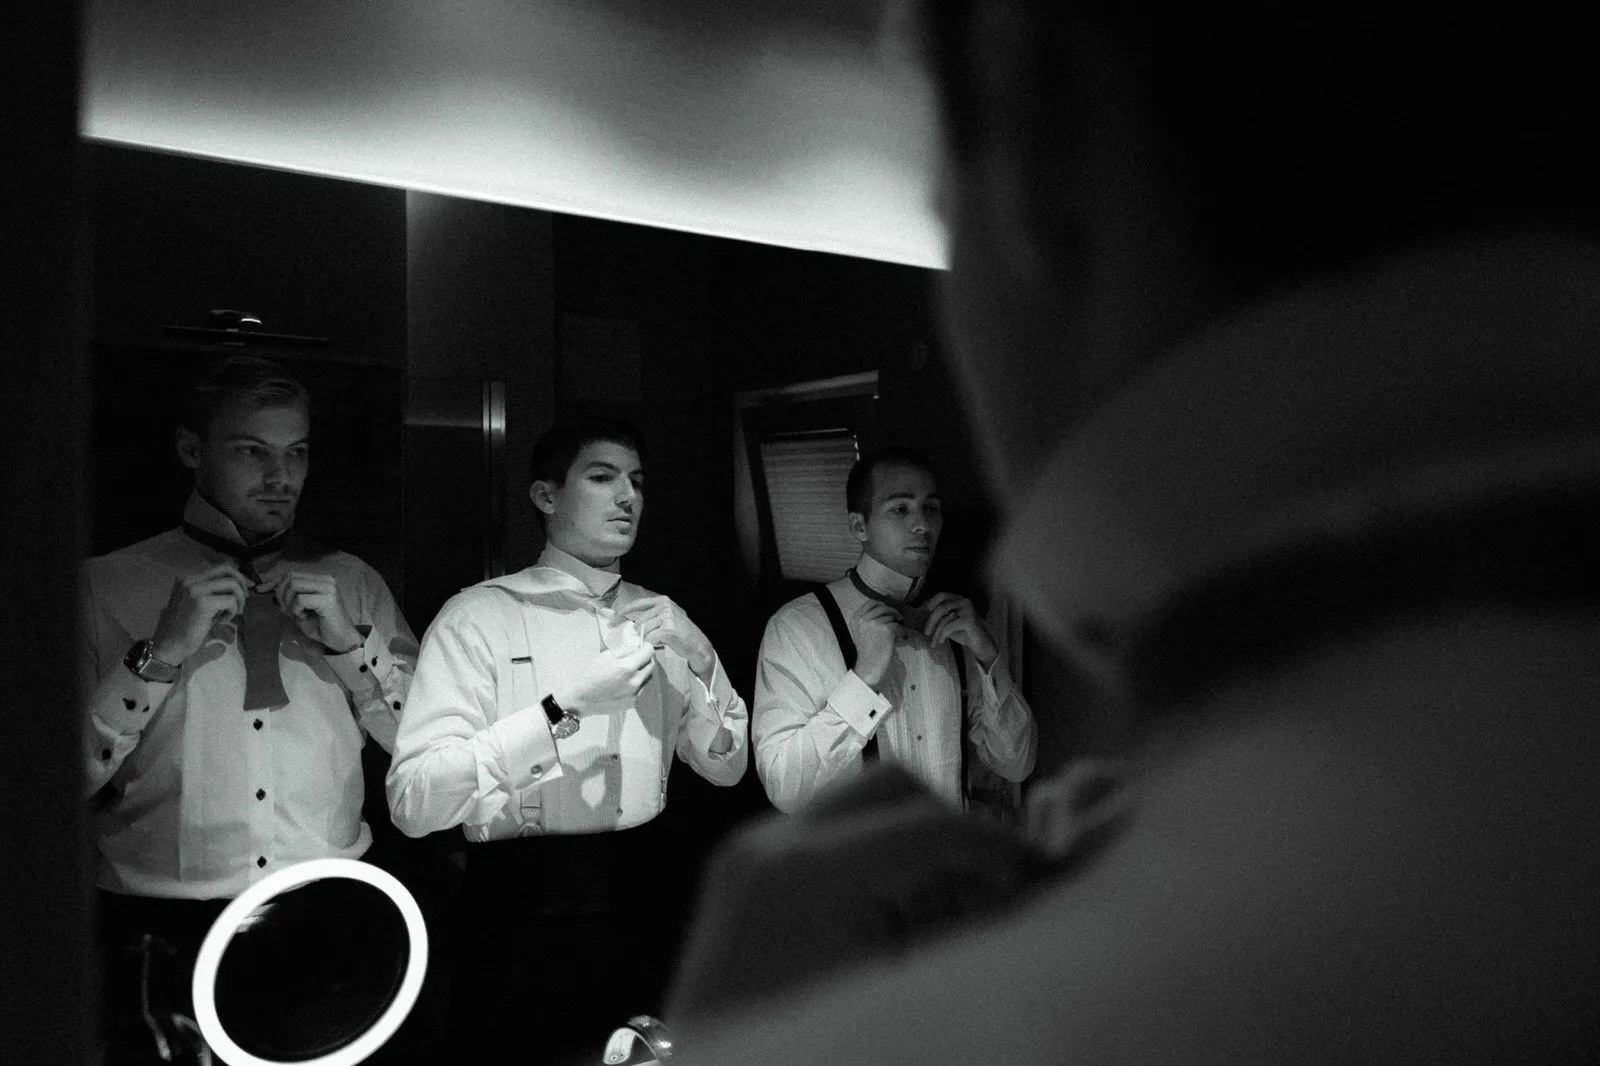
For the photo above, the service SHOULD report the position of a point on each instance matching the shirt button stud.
(537, 771)
(261, 793)
(261, 861)
(258, 723)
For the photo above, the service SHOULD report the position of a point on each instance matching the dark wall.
(48, 1011)
(321, 262)
(479, 292)
(175, 237)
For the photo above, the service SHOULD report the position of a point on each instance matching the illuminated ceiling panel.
(802, 124)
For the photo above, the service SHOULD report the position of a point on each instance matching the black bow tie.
(914, 600)
(913, 613)
(244, 554)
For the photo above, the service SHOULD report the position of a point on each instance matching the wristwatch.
(563, 723)
(141, 659)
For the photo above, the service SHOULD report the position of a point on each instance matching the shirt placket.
(261, 784)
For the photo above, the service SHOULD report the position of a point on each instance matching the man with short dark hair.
(871, 667)
(547, 710)
(233, 668)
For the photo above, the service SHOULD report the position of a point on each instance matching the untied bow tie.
(261, 625)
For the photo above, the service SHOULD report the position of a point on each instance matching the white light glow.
(800, 132)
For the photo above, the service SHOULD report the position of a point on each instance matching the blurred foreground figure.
(1280, 328)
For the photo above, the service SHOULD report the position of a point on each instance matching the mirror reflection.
(335, 518)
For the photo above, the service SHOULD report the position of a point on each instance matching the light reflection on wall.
(809, 130)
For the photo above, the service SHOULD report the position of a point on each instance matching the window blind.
(805, 475)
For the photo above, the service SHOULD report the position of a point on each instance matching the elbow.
(405, 819)
(785, 799)
(404, 811)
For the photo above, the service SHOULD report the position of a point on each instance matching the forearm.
(452, 779)
(119, 708)
(714, 738)
(377, 673)
(1003, 729)
(802, 747)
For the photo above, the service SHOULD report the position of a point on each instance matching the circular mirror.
(315, 965)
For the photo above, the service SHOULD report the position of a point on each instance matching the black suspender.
(847, 648)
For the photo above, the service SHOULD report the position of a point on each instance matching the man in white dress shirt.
(889, 686)
(233, 669)
(547, 710)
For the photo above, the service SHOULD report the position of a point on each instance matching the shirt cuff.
(714, 703)
(858, 704)
(361, 666)
(126, 709)
(528, 751)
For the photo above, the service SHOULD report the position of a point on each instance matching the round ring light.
(248, 909)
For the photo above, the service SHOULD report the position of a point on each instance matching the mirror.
(315, 965)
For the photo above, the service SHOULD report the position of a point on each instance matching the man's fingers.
(223, 603)
(937, 616)
(949, 626)
(639, 606)
(880, 612)
(634, 658)
(300, 593)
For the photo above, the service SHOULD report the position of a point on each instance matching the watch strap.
(563, 723)
(141, 659)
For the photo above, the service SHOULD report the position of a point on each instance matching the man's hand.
(312, 600)
(614, 676)
(1087, 795)
(663, 624)
(952, 617)
(864, 873)
(879, 626)
(198, 602)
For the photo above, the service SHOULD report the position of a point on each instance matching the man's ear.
(187, 443)
(543, 497)
(858, 526)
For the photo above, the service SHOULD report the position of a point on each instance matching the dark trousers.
(560, 940)
(147, 950)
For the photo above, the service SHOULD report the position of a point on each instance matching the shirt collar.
(884, 581)
(598, 580)
(203, 515)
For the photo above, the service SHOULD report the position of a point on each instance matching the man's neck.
(587, 558)
(203, 513)
(598, 579)
(885, 579)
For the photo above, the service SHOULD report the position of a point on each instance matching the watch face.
(565, 728)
